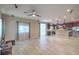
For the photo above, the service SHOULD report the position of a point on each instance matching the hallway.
(60, 44)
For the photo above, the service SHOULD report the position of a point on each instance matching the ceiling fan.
(32, 13)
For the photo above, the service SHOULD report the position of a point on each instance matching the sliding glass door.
(42, 29)
(0, 29)
(23, 31)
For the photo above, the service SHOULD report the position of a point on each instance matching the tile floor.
(60, 44)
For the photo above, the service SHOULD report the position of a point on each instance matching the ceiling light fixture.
(33, 15)
(69, 10)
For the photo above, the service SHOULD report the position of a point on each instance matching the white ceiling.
(49, 12)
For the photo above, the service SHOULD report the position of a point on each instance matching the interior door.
(23, 31)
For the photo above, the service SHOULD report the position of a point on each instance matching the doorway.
(23, 31)
(0, 29)
(42, 29)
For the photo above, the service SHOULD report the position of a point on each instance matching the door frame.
(18, 29)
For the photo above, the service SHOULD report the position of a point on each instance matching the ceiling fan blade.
(26, 12)
(38, 15)
(30, 15)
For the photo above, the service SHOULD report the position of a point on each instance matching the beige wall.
(34, 30)
(10, 27)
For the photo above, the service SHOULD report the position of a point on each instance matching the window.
(23, 27)
(75, 28)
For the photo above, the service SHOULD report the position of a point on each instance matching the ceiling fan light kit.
(33, 15)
